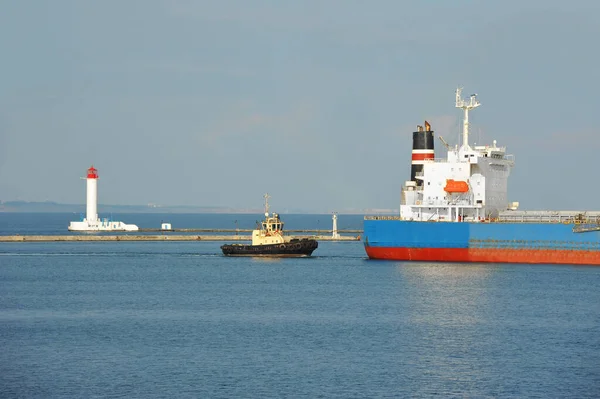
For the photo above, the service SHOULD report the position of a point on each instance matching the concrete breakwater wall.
(320, 232)
(149, 237)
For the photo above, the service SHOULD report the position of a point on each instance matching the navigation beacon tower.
(334, 231)
(91, 222)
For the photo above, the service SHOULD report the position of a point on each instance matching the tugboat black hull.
(295, 248)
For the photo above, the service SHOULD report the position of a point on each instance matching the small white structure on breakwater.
(91, 222)
(335, 234)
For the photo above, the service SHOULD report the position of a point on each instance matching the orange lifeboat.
(456, 186)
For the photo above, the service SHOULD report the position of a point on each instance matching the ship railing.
(383, 217)
(549, 218)
(432, 160)
(584, 220)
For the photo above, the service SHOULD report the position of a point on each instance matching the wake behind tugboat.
(269, 240)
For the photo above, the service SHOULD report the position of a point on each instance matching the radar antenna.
(472, 103)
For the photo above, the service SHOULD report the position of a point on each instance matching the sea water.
(178, 319)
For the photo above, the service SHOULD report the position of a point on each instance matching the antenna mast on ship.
(466, 106)
(267, 196)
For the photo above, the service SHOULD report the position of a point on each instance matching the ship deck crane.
(444, 141)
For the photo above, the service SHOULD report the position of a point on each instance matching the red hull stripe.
(421, 157)
(484, 255)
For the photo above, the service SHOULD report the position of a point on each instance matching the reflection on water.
(449, 310)
(447, 294)
(458, 270)
(265, 259)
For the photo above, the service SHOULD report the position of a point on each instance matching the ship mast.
(267, 196)
(466, 106)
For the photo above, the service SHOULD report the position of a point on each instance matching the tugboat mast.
(267, 196)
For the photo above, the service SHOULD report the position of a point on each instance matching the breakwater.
(151, 237)
(195, 230)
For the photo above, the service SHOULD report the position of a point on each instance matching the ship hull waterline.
(294, 249)
(485, 255)
(271, 255)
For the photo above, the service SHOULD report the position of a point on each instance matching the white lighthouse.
(91, 208)
(91, 222)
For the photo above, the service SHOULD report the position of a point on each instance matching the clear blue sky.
(216, 102)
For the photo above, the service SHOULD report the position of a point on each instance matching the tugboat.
(268, 240)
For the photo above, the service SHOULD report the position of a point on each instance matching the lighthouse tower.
(92, 222)
(91, 213)
(335, 234)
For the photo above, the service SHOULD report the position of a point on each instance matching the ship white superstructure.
(470, 185)
(92, 222)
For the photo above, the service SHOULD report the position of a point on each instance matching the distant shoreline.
(53, 207)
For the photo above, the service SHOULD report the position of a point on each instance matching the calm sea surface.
(177, 319)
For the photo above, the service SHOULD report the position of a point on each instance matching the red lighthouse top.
(92, 173)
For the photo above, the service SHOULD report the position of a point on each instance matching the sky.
(214, 103)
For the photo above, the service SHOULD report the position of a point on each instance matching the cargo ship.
(457, 210)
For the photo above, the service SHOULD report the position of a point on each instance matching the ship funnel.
(422, 151)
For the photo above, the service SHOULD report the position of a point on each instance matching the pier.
(167, 233)
(167, 236)
(193, 230)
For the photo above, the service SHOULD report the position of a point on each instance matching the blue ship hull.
(389, 238)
